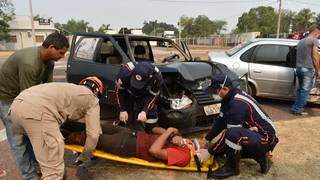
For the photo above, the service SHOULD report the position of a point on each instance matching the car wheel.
(251, 90)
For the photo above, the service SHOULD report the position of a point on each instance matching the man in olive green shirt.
(23, 69)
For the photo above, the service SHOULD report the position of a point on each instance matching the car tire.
(251, 90)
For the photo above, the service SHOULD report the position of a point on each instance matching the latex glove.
(80, 162)
(142, 116)
(203, 155)
(123, 116)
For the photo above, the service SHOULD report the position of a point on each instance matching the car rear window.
(237, 48)
(85, 48)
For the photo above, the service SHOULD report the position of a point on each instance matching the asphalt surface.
(277, 109)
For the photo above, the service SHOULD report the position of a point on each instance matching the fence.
(225, 40)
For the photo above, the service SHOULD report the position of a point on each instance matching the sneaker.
(2, 173)
(303, 113)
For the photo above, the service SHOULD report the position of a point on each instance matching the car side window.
(246, 56)
(85, 48)
(108, 54)
(272, 54)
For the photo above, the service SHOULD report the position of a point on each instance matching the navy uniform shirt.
(148, 94)
(240, 110)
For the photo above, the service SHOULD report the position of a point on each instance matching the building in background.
(21, 33)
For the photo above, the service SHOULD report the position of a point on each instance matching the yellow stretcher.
(136, 161)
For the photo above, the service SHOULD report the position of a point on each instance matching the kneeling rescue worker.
(247, 131)
(40, 110)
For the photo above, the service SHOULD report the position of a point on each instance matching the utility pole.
(32, 24)
(279, 18)
(179, 30)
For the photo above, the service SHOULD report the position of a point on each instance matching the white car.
(269, 65)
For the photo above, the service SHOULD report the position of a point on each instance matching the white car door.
(271, 69)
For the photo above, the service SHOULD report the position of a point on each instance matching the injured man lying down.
(168, 147)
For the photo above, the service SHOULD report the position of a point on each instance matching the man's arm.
(48, 75)
(217, 127)
(156, 149)
(93, 131)
(316, 60)
(315, 56)
(158, 130)
(153, 93)
(120, 86)
(27, 76)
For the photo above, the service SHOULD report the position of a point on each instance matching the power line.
(306, 3)
(210, 2)
(235, 15)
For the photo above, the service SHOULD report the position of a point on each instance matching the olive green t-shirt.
(22, 70)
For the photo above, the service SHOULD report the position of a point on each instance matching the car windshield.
(155, 51)
(237, 48)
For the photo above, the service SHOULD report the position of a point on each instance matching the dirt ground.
(297, 156)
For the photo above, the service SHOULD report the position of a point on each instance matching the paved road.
(277, 109)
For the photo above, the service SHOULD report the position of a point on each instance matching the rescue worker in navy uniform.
(247, 131)
(137, 88)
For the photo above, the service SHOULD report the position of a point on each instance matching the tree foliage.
(73, 26)
(304, 19)
(38, 17)
(264, 19)
(6, 15)
(287, 20)
(155, 27)
(318, 19)
(103, 28)
(201, 26)
(261, 19)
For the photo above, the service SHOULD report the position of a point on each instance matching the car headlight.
(204, 84)
(180, 103)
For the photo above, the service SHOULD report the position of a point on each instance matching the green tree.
(73, 26)
(154, 27)
(187, 24)
(220, 26)
(103, 28)
(38, 17)
(318, 19)
(304, 19)
(6, 15)
(262, 19)
(201, 26)
(287, 20)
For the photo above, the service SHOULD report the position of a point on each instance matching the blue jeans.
(306, 79)
(20, 146)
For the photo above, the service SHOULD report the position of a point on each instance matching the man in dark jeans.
(307, 67)
(169, 146)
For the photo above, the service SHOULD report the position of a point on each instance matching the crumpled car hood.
(190, 71)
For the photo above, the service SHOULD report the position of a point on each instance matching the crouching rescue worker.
(39, 111)
(138, 86)
(247, 131)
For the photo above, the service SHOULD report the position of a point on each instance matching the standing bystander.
(25, 68)
(307, 67)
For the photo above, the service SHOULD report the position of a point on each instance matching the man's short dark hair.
(56, 39)
(313, 27)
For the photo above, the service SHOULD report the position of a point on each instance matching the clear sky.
(132, 13)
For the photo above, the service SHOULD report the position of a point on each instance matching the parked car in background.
(183, 102)
(269, 65)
